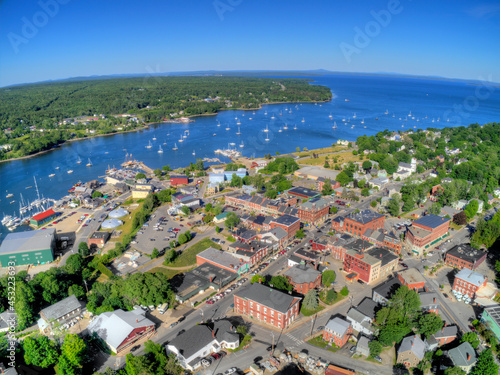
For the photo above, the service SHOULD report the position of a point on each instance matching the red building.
(381, 238)
(251, 252)
(370, 265)
(446, 334)
(468, 282)
(304, 193)
(43, 217)
(358, 223)
(179, 180)
(266, 305)
(303, 278)
(321, 243)
(426, 232)
(290, 224)
(464, 256)
(314, 211)
(221, 259)
(412, 279)
(98, 239)
(320, 182)
(337, 331)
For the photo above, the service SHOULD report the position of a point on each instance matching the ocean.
(360, 105)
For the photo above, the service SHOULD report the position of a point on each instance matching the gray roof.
(356, 315)
(286, 220)
(448, 331)
(459, 354)
(385, 256)
(199, 336)
(278, 232)
(364, 216)
(295, 258)
(266, 296)
(303, 191)
(387, 289)
(316, 203)
(301, 274)
(338, 325)
(431, 221)
(471, 277)
(61, 308)
(414, 344)
(114, 327)
(27, 241)
(427, 298)
(466, 253)
(367, 307)
(363, 342)
(221, 257)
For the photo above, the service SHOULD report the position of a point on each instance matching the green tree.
(300, 234)
(185, 210)
(343, 178)
(455, 370)
(311, 300)
(327, 188)
(208, 218)
(158, 172)
(331, 295)
(242, 330)
(328, 277)
(218, 229)
(166, 168)
(429, 323)
(471, 209)
(344, 291)
(232, 220)
(97, 194)
(393, 206)
(155, 253)
(76, 290)
(74, 264)
(375, 347)
(140, 176)
(73, 350)
(40, 351)
(361, 184)
(297, 149)
(280, 283)
(333, 210)
(367, 165)
(373, 204)
(257, 279)
(83, 249)
(470, 337)
(485, 364)
(365, 192)
(170, 256)
(271, 194)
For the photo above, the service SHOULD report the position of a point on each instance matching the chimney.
(316, 266)
(445, 324)
(211, 278)
(213, 333)
(137, 320)
(434, 300)
(468, 357)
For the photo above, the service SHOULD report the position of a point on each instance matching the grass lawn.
(126, 228)
(188, 256)
(342, 157)
(339, 298)
(318, 341)
(307, 312)
(455, 226)
(169, 273)
(324, 150)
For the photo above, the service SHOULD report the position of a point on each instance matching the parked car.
(135, 348)
(377, 358)
(215, 355)
(232, 370)
(173, 324)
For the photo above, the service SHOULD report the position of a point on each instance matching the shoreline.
(147, 125)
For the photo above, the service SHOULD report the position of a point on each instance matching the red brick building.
(251, 252)
(412, 279)
(290, 224)
(358, 223)
(320, 183)
(468, 282)
(179, 180)
(381, 238)
(303, 193)
(426, 232)
(337, 331)
(464, 256)
(222, 259)
(303, 278)
(266, 305)
(446, 335)
(314, 211)
(98, 239)
(370, 265)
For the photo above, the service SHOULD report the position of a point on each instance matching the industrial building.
(30, 247)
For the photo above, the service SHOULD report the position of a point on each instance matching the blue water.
(368, 97)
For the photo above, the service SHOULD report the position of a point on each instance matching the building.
(98, 239)
(314, 211)
(122, 329)
(381, 238)
(320, 183)
(370, 265)
(337, 331)
(30, 247)
(316, 173)
(428, 302)
(379, 182)
(426, 232)
(362, 316)
(411, 351)
(216, 178)
(358, 223)
(362, 347)
(220, 218)
(179, 180)
(141, 191)
(491, 317)
(251, 252)
(266, 305)
(445, 335)
(463, 356)
(303, 278)
(464, 256)
(43, 217)
(307, 256)
(290, 224)
(59, 313)
(212, 188)
(383, 292)
(468, 282)
(304, 193)
(222, 259)
(412, 279)
(201, 340)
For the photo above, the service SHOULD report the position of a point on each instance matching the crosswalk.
(297, 341)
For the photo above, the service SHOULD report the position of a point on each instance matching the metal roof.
(431, 221)
(27, 241)
(303, 191)
(364, 216)
(367, 307)
(266, 296)
(222, 258)
(338, 325)
(471, 277)
(286, 220)
(61, 308)
(301, 274)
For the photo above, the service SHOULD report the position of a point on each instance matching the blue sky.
(40, 40)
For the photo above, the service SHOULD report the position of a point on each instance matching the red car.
(338, 202)
(210, 302)
(85, 214)
(215, 355)
(176, 229)
(310, 241)
(181, 225)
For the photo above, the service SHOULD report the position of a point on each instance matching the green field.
(188, 256)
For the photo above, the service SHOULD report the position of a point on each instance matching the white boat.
(9, 195)
(386, 112)
(242, 145)
(238, 123)
(79, 161)
(181, 140)
(267, 139)
(57, 167)
(228, 128)
(279, 131)
(272, 117)
(364, 127)
(70, 171)
(265, 113)
(149, 145)
(239, 132)
(175, 148)
(266, 130)
(160, 150)
(184, 136)
(354, 115)
(154, 137)
(6, 219)
(334, 125)
(194, 153)
(330, 115)
(89, 164)
(250, 118)
(52, 175)
(232, 144)
(363, 121)
(218, 124)
(164, 143)
(214, 134)
(295, 127)
(285, 127)
(304, 120)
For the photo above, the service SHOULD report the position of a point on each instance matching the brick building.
(381, 238)
(320, 182)
(179, 180)
(336, 245)
(221, 259)
(267, 305)
(314, 211)
(412, 279)
(303, 193)
(468, 282)
(358, 223)
(464, 256)
(303, 278)
(337, 331)
(370, 265)
(98, 239)
(251, 252)
(290, 224)
(426, 232)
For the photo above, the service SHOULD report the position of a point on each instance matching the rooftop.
(306, 254)
(338, 325)
(303, 192)
(286, 220)
(461, 353)
(412, 276)
(466, 253)
(388, 288)
(358, 245)
(471, 277)
(316, 203)
(431, 221)
(414, 344)
(27, 241)
(318, 172)
(428, 298)
(223, 258)
(364, 217)
(100, 235)
(61, 308)
(448, 331)
(419, 232)
(301, 274)
(266, 296)
(367, 307)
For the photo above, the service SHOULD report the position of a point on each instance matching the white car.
(232, 370)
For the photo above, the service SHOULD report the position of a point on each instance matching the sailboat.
(180, 139)
(214, 134)
(363, 121)
(386, 111)
(228, 128)
(154, 137)
(334, 125)
(354, 115)
(70, 171)
(239, 132)
(330, 115)
(9, 195)
(52, 175)
(57, 167)
(175, 148)
(149, 145)
(272, 117)
(218, 124)
(267, 139)
(79, 161)
(295, 127)
(266, 130)
(279, 131)
(304, 120)
(285, 127)
(242, 145)
(238, 123)
(160, 150)
(89, 164)
(194, 153)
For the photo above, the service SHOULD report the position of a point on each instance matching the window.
(272, 312)
(265, 310)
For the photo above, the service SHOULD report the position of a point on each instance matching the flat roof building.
(303, 192)
(464, 256)
(30, 247)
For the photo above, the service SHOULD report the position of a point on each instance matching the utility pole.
(272, 347)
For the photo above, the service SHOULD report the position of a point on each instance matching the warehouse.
(43, 217)
(31, 247)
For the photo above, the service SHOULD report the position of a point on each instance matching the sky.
(57, 39)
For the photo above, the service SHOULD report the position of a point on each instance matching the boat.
(272, 117)
(266, 130)
(364, 127)
(334, 125)
(279, 131)
(57, 167)
(214, 134)
(285, 127)
(106, 152)
(79, 161)
(363, 121)
(386, 112)
(250, 118)
(218, 124)
(376, 118)
(175, 148)
(238, 123)
(228, 128)
(295, 127)
(181, 140)
(232, 144)
(154, 137)
(52, 175)
(330, 115)
(6, 219)
(354, 115)
(239, 132)
(347, 100)
(304, 120)
(267, 139)
(70, 171)
(194, 152)
(242, 145)
(149, 145)
(160, 150)
(164, 143)
(89, 164)
(281, 113)
(265, 113)
(9, 195)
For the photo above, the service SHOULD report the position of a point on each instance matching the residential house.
(303, 278)
(463, 356)
(362, 316)
(411, 351)
(337, 331)
(428, 302)
(60, 313)
(362, 347)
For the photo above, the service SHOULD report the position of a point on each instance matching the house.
(448, 211)
(314, 211)
(362, 347)
(320, 183)
(176, 180)
(212, 188)
(337, 331)
(267, 305)
(7, 319)
(426, 232)
(8, 370)
(428, 302)
(303, 278)
(43, 217)
(362, 316)
(460, 205)
(383, 292)
(201, 340)
(98, 239)
(464, 256)
(463, 356)
(411, 351)
(220, 218)
(468, 282)
(60, 313)
(122, 329)
(412, 279)
(445, 335)
(379, 182)
(222, 259)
